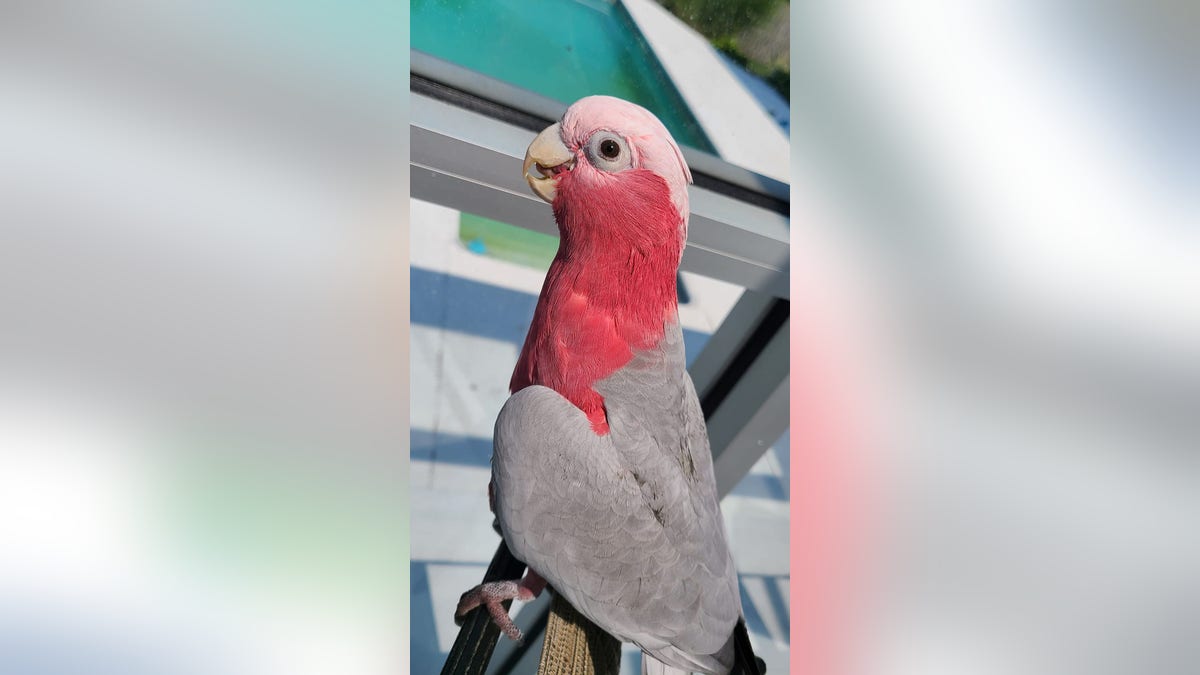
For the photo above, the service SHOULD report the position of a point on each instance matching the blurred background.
(202, 344)
(1012, 187)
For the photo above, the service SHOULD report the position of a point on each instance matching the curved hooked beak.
(550, 157)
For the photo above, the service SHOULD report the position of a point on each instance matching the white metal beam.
(471, 162)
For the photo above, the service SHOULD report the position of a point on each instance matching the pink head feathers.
(618, 185)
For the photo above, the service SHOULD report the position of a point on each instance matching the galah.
(602, 477)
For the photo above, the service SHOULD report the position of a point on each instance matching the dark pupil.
(609, 148)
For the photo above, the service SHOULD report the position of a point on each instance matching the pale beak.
(550, 157)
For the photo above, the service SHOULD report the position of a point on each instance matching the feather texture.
(602, 470)
(627, 525)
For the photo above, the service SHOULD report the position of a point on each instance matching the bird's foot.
(492, 595)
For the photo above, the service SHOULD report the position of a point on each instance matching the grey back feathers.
(626, 526)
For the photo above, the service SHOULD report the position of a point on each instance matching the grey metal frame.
(471, 162)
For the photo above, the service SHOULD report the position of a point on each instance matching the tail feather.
(744, 660)
(652, 666)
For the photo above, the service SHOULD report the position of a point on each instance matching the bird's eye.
(607, 151)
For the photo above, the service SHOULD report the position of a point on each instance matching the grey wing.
(626, 526)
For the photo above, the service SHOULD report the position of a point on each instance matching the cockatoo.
(602, 477)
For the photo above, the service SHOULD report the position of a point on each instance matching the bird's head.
(611, 165)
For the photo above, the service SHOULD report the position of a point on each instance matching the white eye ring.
(608, 152)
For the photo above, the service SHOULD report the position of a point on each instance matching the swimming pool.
(562, 49)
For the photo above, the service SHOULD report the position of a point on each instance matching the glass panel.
(716, 75)
(561, 50)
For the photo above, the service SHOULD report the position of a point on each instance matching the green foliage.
(780, 80)
(779, 77)
(728, 45)
(721, 18)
